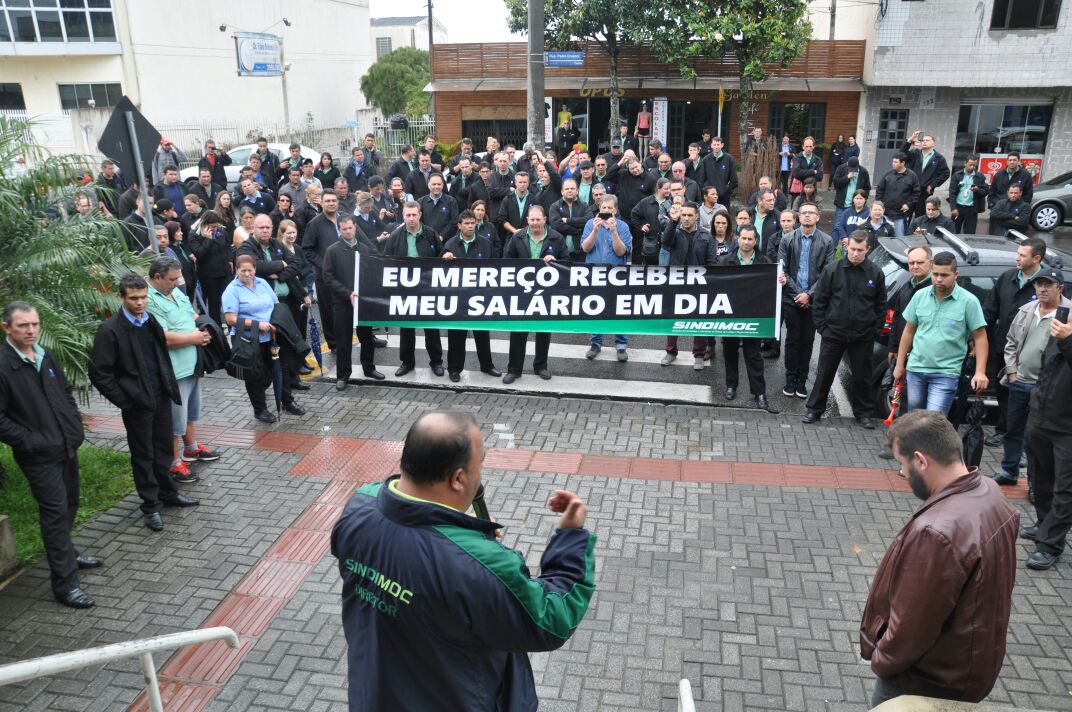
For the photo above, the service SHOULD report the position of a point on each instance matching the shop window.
(78, 96)
(892, 129)
(797, 120)
(11, 97)
(1025, 14)
(1000, 128)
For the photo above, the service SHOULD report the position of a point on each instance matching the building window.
(78, 96)
(1025, 14)
(892, 129)
(383, 46)
(1000, 128)
(57, 21)
(797, 120)
(11, 97)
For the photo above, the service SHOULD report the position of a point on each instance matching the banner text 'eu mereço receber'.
(532, 295)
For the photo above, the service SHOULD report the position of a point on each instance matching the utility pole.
(536, 90)
(431, 43)
(286, 97)
(833, 18)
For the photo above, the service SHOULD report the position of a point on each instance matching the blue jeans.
(837, 219)
(1015, 426)
(930, 391)
(620, 341)
(899, 226)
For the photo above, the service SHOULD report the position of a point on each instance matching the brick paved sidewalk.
(735, 549)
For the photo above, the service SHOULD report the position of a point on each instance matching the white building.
(175, 63)
(389, 33)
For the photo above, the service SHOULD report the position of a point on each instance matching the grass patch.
(105, 479)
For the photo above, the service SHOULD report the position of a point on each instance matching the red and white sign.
(990, 164)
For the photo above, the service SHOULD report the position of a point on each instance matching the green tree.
(758, 32)
(67, 265)
(395, 82)
(605, 22)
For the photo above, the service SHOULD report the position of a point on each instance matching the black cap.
(1052, 275)
(586, 164)
(854, 162)
(616, 143)
(163, 204)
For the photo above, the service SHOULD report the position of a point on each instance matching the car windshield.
(1060, 180)
(890, 267)
(239, 156)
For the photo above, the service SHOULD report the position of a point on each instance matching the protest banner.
(531, 295)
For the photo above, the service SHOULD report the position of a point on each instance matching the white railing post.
(152, 687)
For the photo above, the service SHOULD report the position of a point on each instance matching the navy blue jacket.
(438, 616)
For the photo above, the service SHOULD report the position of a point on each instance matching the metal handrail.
(142, 649)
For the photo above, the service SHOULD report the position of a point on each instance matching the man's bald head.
(438, 444)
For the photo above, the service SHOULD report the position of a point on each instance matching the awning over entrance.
(653, 86)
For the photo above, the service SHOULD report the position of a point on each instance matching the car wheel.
(1047, 216)
(883, 402)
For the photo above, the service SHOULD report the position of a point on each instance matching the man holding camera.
(606, 240)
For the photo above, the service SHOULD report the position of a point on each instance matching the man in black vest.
(39, 419)
(130, 366)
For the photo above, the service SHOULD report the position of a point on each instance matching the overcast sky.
(465, 20)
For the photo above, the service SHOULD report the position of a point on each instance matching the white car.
(240, 154)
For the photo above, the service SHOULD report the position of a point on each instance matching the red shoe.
(199, 454)
(180, 472)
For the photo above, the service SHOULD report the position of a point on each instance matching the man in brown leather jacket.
(938, 611)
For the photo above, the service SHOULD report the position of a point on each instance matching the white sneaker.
(668, 359)
(698, 363)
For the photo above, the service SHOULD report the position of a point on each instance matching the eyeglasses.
(808, 212)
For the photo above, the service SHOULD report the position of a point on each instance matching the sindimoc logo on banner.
(515, 295)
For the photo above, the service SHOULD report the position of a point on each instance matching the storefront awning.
(654, 86)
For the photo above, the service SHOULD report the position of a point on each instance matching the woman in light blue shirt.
(248, 299)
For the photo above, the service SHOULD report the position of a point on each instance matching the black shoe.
(299, 386)
(294, 408)
(1003, 479)
(866, 423)
(789, 389)
(75, 598)
(89, 562)
(510, 378)
(379, 343)
(761, 402)
(180, 500)
(493, 372)
(374, 374)
(731, 393)
(154, 521)
(305, 370)
(1040, 561)
(455, 377)
(811, 417)
(593, 351)
(403, 370)
(801, 391)
(437, 369)
(995, 439)
(1030, 533)
(544, 374)
(340, 385)
(265, 416)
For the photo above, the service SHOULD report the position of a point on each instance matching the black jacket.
(218, 351)
(999, 308)
(339, 265)
(569, 221)
(216, 166)
(696, 248)
(399, 168)
(897, 305)
(509, 212)
(849, 301)
(478, 190)
(428, 243)
(479, 249)
(263, 203)
(38, 415)
(885, 229)
(127, 205)
(371, 228)
(213, 253)
(999, 186)
(293, 348)
(266, 268)
(327, 178)
(1050, 405)
(731, 260)
(721, 173)
(803, 167)
(821, 255)
(110, 191)
(934, 175)
(441, 216)
(896, 189)
(117, 366)
(978, 180)
(1006, 215)
(209, 196)
(928, 225)
(631, 189)
(498, 188)
(320, 234)
(649, 212)
(135, 233)
(417, 184)
(517, 247)
(841, 183)
(357, 181)
(768, 244)
(461, 186)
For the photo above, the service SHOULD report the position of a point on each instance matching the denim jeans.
(837, 217)
(1015, 427)
(884, 691)
(900, 225)
(930, 391)
(620, 340)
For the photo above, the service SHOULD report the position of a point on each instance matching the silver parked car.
(240, 154)
(1052, 203)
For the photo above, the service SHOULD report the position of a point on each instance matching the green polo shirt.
(535, 247)
(39, 355)
(411, 245)
(176, 314)
(942, 330)
(1021, 280)
(741, 260)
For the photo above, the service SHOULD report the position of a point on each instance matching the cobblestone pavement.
(735, 549)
